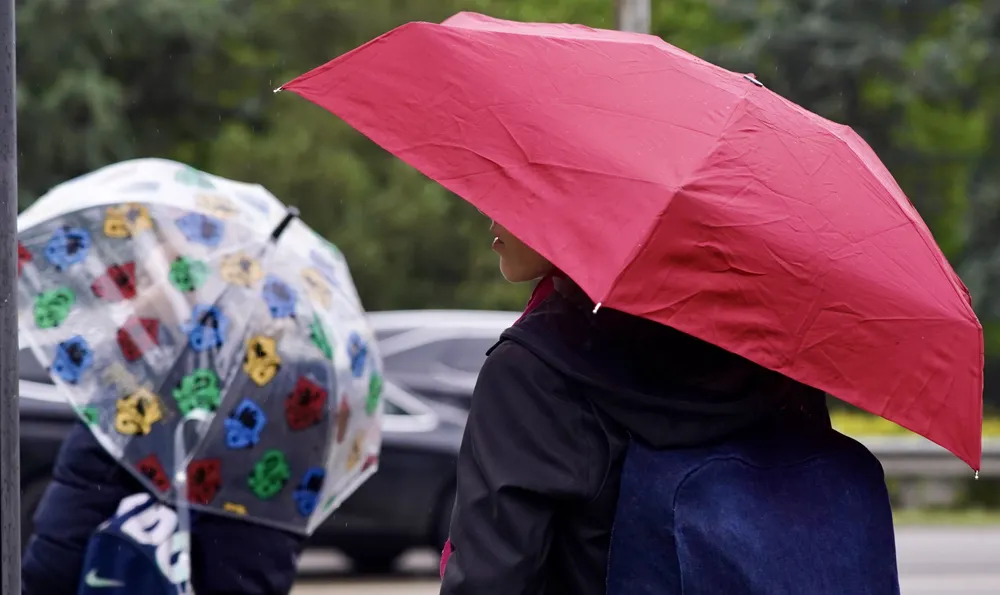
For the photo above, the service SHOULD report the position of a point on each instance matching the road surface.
(932, 561)
(949, 560)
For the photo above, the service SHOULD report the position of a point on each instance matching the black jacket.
(559, 398)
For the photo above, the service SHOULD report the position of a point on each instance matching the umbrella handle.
(291, 214)
(182, 569)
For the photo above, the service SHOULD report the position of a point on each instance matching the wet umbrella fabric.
(156, 296)
(673, 189)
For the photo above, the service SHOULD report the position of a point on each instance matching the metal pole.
(10, 460)
(634, 15)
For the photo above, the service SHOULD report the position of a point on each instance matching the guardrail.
(919, 457)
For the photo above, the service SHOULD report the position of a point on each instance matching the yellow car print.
(357, 448)
(316, 287)
(137, 413)
(125, 221)
(240, 269)
(262, 361)
(217, 205)
(234, 508)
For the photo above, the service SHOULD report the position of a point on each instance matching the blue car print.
(207, 328)
(306, 495)
(73, 357)
(201, 229)
(67, 246)
(280, 298)
(244, 425)
(358, 352)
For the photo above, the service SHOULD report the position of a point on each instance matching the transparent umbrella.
(214, 343)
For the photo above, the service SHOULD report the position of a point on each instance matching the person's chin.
(512, 274)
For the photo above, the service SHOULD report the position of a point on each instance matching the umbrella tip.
(279, 89)
(976, 475)
(753, 79)
(597, 307)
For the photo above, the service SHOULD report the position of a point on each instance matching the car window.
(460, 400)
(391, 394)
(394, 409)
(462, 354)
(383, 334)
(405, 412)
(416, 360)
(466, 354)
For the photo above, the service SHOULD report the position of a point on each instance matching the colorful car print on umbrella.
(158, 294)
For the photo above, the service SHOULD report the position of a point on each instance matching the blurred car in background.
(406, 504)
(437, 354)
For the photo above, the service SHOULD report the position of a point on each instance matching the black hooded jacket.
(560, 396)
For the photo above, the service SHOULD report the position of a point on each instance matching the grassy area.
(863, 424)
(963, 518)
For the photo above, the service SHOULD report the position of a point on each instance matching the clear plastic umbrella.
(214, 343)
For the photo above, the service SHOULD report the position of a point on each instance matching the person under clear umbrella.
(208, 377)
(228, 556)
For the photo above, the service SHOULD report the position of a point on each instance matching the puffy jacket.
(229, 557)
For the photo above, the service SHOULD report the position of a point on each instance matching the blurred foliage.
(860, 425)
(106, 80)
(963, 517)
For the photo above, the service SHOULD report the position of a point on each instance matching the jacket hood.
(666, 388)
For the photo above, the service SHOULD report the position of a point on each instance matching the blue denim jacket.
(784, 511)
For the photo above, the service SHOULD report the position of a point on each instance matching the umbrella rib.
(637, 249)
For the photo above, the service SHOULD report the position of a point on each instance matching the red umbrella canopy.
(675, 190)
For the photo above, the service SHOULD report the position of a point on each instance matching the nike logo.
(96, 582)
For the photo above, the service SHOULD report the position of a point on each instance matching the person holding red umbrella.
(715, 474)
(717, 259)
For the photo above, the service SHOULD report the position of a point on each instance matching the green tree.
(103, 81)
(409, 242)
(920, 81)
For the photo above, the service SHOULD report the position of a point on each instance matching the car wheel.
(31, 496)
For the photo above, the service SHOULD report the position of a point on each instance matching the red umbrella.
(673, 189)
